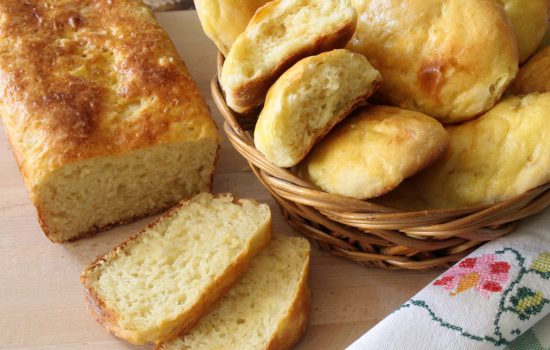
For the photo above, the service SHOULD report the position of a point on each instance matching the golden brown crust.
(375, 149)
(251, 95)
(428, 53)
(72, 75)
(109, 319)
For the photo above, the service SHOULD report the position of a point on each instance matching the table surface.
(42, 301)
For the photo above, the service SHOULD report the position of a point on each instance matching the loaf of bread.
(224, 20)
(161, 281)
(373, 150)
(533, 76)
(530, 20)
(310, 99)
(104, 120)
(450, 59)
(280, 34)
(266, 310)
(501, 154)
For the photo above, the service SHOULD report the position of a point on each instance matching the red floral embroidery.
(482, 273)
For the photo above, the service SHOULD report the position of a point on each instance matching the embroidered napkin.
(537, 338)
(485, 301)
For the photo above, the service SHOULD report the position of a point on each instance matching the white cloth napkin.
(485, 301)
(537, 338)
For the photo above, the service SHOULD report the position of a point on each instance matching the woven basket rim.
(370, 233)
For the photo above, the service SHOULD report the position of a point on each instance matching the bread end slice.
(267, 310)
(157, 284)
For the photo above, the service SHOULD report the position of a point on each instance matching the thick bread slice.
(161, 281)
(308, 100)
(267, 309)
(280, 34)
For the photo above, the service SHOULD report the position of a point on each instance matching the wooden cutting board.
(42, 301)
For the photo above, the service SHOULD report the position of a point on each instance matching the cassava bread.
(501, 154)
(310, 99)
(280, 34)
(161, 281)
(104, 120)
(530, 21)
(224, 20)
(266, 310)
(533, 76)
(373, 150)
(450, 59)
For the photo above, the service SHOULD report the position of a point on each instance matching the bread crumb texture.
(308, 100)
(279, 34)
(252, 313)
(165, 271)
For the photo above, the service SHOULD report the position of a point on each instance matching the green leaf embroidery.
(527, 303)
(542, 265)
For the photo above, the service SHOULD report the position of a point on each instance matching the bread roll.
(450, 59)
(161, 281)
(503, 153)
(266, 310)
(224, 20)
(533, 76)
(104, 120)
(280, 34)
(373, 150)
(308, 100)
(530, 20)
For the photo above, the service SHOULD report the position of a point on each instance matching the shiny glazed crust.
(91, 78)
(429, 53)
(373, 151)
(109, 318)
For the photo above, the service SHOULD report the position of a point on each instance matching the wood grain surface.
(42, 301)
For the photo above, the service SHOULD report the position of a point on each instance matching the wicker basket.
(368, 233)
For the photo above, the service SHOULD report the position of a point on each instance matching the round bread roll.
(280, 34)
(534, 76)
(451, 59)
(501, 154)
(224, 20)
(371, 152)
(308, 100)
(530, 20)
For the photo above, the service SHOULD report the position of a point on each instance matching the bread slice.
(310, 99)
(280, 34)
(267, 309)
(104, 120)
(161, 281)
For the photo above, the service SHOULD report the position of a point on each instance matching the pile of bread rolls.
(419, 103)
